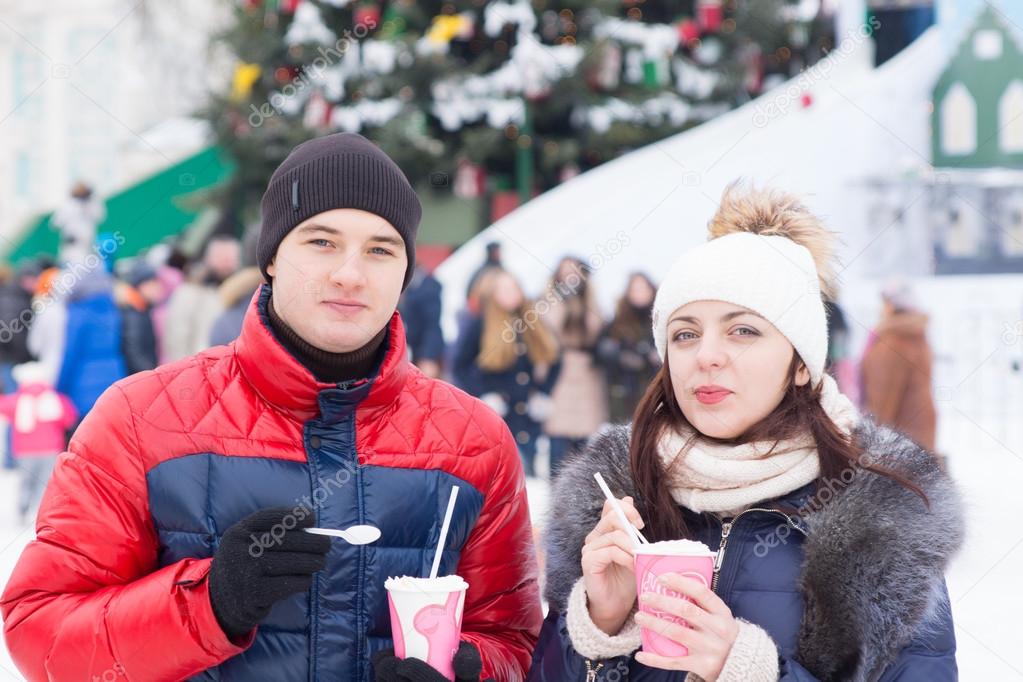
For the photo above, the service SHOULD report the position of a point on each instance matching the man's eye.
(319, 242)
(381, 251)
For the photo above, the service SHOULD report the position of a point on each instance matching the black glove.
(389, 668)
(261, 560)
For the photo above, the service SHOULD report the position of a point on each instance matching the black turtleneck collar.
(330, 368)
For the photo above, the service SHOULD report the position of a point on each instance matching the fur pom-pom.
(775, 213)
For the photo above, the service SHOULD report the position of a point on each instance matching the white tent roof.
(640, 211)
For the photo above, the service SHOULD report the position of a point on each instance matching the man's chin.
(342, 343)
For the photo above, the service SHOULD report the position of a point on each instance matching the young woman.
(579, 399)
(508, 358)
(832, 534)
(626, 349)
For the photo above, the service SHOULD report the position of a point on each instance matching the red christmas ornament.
(688, 31)
(285, 74)
(806, 99)
(367, 15)
(470, 180)
(710, 14)
(289, 6)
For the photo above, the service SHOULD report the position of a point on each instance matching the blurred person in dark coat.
(235, 294)
(136, 295)
(420, 309)
(509, 359)
(92, 359)
(15, 319)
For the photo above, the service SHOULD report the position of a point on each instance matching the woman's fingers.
(616, 538)
(681, 608)
(698, 592)
(609, 518)
(694, 640)
(594, 561)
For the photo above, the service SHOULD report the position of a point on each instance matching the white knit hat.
(770, 274)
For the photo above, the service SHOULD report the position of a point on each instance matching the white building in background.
(96, 90)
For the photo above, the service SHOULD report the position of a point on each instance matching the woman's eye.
(319, 242)
(684, 336)
(747, 331)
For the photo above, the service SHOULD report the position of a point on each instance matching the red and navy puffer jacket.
(115, 582)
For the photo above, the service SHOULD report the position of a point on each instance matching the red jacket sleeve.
(86, 599)
(502, 615)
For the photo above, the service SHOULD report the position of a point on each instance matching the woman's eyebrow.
(724, 318)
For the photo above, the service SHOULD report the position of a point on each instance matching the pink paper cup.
(654, 560)
(426, 619)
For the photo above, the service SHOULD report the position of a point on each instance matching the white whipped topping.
(676, 548)
(447, 583)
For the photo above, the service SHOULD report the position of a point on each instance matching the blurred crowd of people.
(554, 368)
(71, 328)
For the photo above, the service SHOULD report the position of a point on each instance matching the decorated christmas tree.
(472, 98)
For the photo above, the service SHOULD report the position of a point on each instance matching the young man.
(170, 540)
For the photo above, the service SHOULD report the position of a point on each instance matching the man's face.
(337, 277)
(223, 258)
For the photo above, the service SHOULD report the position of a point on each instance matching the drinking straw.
(633, 532)
(444, 532)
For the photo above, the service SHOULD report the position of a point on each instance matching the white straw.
(444, 531)
(632, 531)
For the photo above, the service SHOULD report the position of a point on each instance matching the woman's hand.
(709, 639)
(608, 574)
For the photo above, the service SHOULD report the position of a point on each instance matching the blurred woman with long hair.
(508, 358)
(626, 348)
(579, 399)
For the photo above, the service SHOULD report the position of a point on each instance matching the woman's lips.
(712, 397)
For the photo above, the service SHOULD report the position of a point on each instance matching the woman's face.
(729, 366)
(640, 294)
(507, 294)
(570, 272)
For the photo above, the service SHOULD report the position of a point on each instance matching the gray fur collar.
(874, 556)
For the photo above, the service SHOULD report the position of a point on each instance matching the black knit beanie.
(343, 170)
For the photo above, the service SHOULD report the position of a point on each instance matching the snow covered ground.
(986, 598)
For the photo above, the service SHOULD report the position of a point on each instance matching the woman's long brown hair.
(799, 412)
(503, 330)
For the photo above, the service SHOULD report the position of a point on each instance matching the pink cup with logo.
(426, 619)
(688, 558)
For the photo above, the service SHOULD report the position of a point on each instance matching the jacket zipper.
(726, 529)
(591, 672)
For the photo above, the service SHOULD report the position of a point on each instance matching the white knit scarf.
(712, 477)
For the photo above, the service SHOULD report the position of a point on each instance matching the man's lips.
(345, 306)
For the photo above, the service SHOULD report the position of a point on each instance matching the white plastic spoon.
(355, 535)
